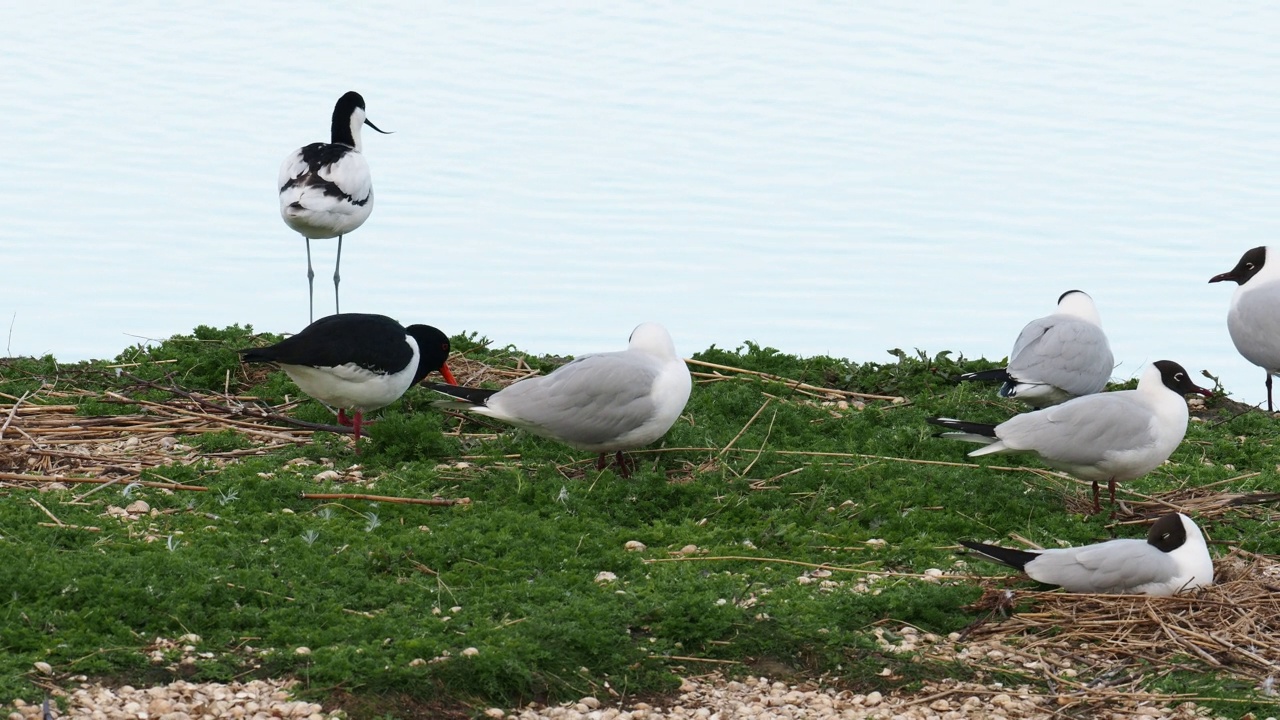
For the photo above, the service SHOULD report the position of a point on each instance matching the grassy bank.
(775, 528)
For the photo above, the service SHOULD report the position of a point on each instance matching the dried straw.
(45, 440)
(1232, 627)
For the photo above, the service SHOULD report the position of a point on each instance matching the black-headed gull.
(601, 403)
(1108, 436)
(1056, 357)
(1173, 558)
(359, 362)
(325, 188)
(1254, 317)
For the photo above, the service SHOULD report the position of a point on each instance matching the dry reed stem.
(687, 658)
(64, 526)
(744, 428)
(760, 451)
(386, 499)
(475, 372)
(12, 411)
(784, 561)
(794, 383)
(45, 510)
(16, 477)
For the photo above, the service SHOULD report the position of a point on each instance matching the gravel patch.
(1059, 682)
(761, 699)
(256, 700)
(712, 698)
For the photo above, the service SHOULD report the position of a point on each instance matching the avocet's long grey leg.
(336, 277)
(311, 287)
(1269, 408)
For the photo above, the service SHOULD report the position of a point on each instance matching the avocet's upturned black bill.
(1109, 436)
(1057, 357)
(358, 362)
(325, 188)
(602, 403)
(1254, 317)
(1173, 558)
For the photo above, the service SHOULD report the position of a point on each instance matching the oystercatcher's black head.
(433, 349)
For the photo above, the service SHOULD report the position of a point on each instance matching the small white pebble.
(604, 576)
(470, 652)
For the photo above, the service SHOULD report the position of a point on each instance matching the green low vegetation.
(764, 481)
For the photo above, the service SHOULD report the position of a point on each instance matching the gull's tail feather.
(983, 433)
(459, 396)
(1005, 556)
(996, 375)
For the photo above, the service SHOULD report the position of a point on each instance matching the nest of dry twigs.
(44, 440)
(1230, 627)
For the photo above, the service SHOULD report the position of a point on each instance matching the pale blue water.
(823, 178)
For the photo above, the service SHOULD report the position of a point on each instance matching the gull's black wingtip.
(1005, 556)
(996, 375)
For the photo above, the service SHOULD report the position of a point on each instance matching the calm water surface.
(823, 178)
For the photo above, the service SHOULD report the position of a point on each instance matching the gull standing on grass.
(1254, 317)
(1056, 357)
(325, 188)
(1173, 558)
(602, 403)
(1110, 436)
(355, 361)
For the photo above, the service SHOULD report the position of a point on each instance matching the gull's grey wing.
(1255, 326)
(1063, 351)
(1112, 567)
(589, 402)
(1083, 431)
